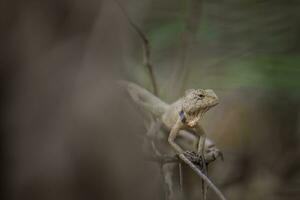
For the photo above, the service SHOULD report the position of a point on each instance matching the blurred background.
(68, 133)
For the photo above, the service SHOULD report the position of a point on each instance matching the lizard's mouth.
(212, 104)
(215, 103)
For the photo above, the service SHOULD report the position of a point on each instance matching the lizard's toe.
(194, 157)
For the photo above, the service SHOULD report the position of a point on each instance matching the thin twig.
(205, 178)
(180, 177)
(164, 185)
(146, 48)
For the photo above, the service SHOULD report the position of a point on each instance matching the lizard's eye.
(201, 96)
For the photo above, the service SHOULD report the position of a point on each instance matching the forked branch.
(146, 48)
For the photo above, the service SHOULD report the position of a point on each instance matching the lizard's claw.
(218, 154)
(194, 157)
(215, 154)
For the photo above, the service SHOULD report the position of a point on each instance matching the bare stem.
(146, 48)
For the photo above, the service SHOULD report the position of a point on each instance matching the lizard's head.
(196, 103)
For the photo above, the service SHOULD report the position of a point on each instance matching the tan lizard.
(184, 114)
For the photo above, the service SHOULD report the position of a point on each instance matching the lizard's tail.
(145, 98)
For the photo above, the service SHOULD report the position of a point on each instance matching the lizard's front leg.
(201, 148)
(201, 145)
(202, 137)
(173, 134)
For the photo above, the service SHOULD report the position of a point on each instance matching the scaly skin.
(192, 107)
(185, 114)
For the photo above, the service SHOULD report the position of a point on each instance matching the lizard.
(184, 114)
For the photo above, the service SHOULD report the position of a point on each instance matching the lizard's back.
(145, 99)
(170, 117)
(167, 113)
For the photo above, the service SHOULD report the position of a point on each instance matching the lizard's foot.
(219, 154)
(214, 154)
(195, 158)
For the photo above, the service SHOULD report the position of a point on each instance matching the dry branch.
(146, 48)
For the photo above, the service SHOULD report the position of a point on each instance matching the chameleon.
(184, 114)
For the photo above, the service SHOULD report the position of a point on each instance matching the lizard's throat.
(202, 112)
(193, 122)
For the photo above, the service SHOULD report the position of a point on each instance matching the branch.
(205, 178)
(146, 47)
